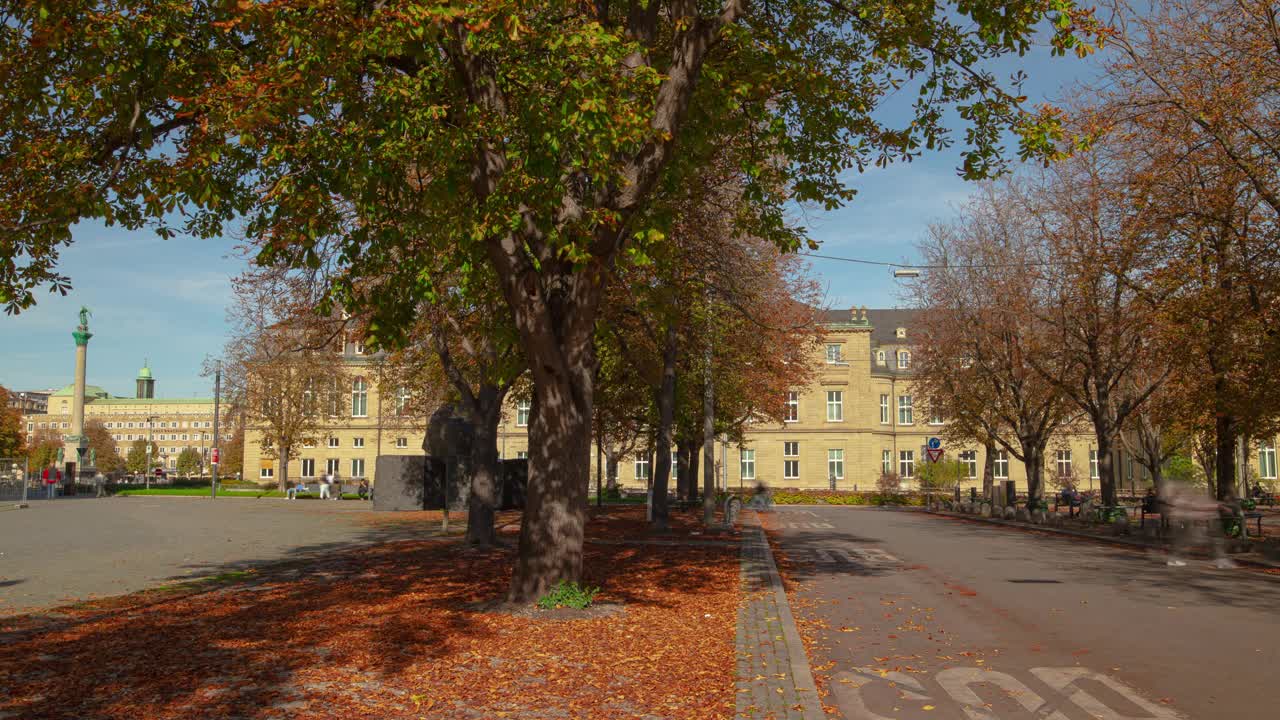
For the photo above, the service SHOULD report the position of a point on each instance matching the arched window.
(402, 401)
(359, 398)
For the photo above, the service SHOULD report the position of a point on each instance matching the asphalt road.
(932, 618)
(56, 552)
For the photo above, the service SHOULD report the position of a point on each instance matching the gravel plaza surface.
(61, 551)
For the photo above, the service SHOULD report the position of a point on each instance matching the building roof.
(153, 401)
(144, 373)
(884, 322)
(90, 391)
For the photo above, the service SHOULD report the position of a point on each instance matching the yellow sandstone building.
(173, 424)
(860, 418)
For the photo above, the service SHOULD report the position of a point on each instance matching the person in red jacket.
(51, 478)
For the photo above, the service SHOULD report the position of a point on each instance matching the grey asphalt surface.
(61, 551)
(929, 617)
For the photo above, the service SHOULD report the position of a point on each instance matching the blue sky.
(165, 300)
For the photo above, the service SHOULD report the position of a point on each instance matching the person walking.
(324, 486)
(1193, 519)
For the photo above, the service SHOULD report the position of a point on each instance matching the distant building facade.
(173, 424)
(861, 417)
(30, 402)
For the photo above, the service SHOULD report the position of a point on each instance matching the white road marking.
(957, 683)
(1065, 679)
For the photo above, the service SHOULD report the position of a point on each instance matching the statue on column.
(84, 318)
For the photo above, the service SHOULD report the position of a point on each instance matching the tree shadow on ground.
(1140, 572)
(338, 630)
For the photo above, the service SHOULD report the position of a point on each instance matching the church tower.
(146, 383)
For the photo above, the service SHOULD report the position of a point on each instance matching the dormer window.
(904, 359)
(901, 332)
(880, 357)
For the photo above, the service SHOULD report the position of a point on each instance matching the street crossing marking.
(845, 556)
(957, 683)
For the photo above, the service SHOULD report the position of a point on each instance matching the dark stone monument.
(401, 483)
(408, 482)
(514, 476)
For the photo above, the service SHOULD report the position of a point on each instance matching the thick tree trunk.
(684, 452)
(482, 501)
(1033, 461)
(988, 468)
(708, 441)
(1106, 467)
(552, 530)
(666, 402)
(611, 470)
(283, 479)
(1225, 433)
(695, 447)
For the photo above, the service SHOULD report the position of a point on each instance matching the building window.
(1001, 470)
(880, 357)
(642, 467)
(835, 464)
(905, 416)
(402, 401)
(793, 407)
(130, 424)
(332, 465)
(357, 467)
(906, 464)
(748, 464)
(309, 405)
(884, 409)
(184, 437)
(900, 332)
(359, 348)
(790, 460)
(402, 442)
(334, 397)
(1267, 460)
(522, 413)
(266, 473)
(904, 359)
(357, 442)
(308, 467)
(1064, 463)
(970, 460)
(522, 454)
(835, 406)
(333, 442)
(833, 354)
(886, 462)
(935, 417)
(359, 398)
(1093, 464)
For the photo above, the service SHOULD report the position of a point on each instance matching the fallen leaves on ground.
(391, 631)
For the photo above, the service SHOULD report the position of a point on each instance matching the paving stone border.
(774, 681)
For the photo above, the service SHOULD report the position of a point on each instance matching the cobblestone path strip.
(774, 679)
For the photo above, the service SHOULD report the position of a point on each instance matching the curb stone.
(774, 680)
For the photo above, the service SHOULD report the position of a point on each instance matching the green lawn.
(224, 492)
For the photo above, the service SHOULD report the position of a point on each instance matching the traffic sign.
(159, 472)
(934, 454)
(934, 443)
